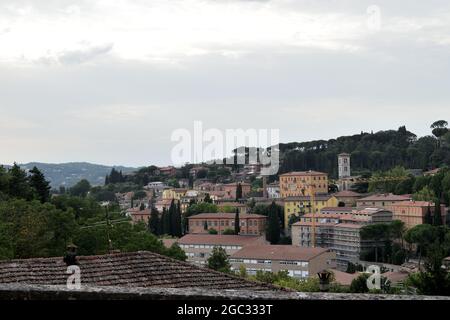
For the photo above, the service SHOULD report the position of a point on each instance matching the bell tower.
(344, 165)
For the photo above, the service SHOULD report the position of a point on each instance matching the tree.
(165, 222)
(239, 191)
(207, 199)
(237, 223)
(439, 128)
(40, 186)
(213, 231)
(18, 183)
(219, 260)
(437, 218)
(359, 284)
(228, 231)
(154, 222)
(273, 226)
(81, 189)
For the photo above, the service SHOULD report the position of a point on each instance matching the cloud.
(84, 55)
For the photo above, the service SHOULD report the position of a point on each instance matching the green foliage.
(237, 223)
(212, 231)
(81, 189)
(359, 284)
(202, 207)
(40, 185)
(228, 231)
(273, 225)
(219, 260)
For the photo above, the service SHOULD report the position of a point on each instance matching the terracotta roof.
(413, 204)
(338, 209)
(215, 239)
(347, 193)
(344, 278)
(226, 215)
(386, 197)
(231, 204)
(395, 277)
(303, 173)
(278, 252)
(318, 197)
(134, 269)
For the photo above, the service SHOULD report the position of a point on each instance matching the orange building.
(413, 213)
(251, 224)
(296, 184)
(230, 189)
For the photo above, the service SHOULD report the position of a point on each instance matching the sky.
(108, 81)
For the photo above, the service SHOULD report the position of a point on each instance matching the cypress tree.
(437, 220)
(428, 219)
(154, 223)
(165, 222)
(273, 226)
(172, 218)
(239, 191)
(237, 223)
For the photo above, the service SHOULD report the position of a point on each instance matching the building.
(294, 184)
(299, 262)
(162, 204)
(230, 189)
(382, 200)
(168, 171)
(140, 269)
(138, 215)
(413, 213)
(198, 247)
(305, 204)
(347, 197)
(273, 190)
(339, 230)
(344, 165)
(174, 193)
(251, 224)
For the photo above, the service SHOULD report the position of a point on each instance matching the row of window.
(207, 246)
(226, 223)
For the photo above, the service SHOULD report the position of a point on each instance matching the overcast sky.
(108, 81)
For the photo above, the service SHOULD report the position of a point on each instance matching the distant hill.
(68, 174)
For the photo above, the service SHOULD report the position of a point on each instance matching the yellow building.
(303, 204)
(175, 193)
(296, 184)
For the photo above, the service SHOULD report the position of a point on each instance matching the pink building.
(230, 189)
(413, 213)
(251, 224)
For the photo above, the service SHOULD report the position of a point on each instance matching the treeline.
(378, 151)
(169, 222)
(435, 188)
(34, 224)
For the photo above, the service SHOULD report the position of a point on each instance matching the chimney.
(71, 255)
(324, 280)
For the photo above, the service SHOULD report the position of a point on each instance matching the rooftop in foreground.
(134, 269)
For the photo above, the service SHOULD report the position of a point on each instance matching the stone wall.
(41, 292)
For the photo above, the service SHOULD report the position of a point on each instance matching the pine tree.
(437, 219)
(40, 185)
(18, 183)
(154, 222)
(237, 223)
(219, 260)
(273, 226)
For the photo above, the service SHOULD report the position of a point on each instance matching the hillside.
(68, 174)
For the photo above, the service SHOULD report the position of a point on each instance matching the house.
(347, 197)
(298, 262)
(140, 269)
(138, 215)
(382, 200)
(198, 247)
(162, 204)
(174, 193)
(250, 224)
(169, 171)
(306, 204)
(273, 190)
(230, 189)
(413, 213)
(303, 183)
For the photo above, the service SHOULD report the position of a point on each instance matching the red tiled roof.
(303, 173)
(344, 278)
(386, 197)
(347, 193)
(413, 204)
(278, 252)
(134, 269)
(226, 215)
(215, 239)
